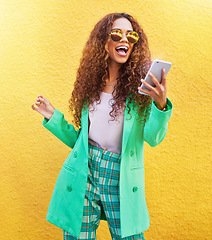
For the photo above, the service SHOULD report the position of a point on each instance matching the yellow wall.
(40, 50)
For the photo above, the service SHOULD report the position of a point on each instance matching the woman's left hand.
(158, 93)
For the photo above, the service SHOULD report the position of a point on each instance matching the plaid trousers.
(102, 193)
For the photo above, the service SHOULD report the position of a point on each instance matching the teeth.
(122, 47)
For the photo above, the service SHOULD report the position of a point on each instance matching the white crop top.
(103, 130)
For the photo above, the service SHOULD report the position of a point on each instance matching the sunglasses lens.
(132, 37)
(116, 35)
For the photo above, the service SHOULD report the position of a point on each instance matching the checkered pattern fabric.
(102, 193)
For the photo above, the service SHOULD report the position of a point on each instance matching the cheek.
(131, 49)
(111, 49)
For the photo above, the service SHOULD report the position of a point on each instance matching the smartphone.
(156, 70)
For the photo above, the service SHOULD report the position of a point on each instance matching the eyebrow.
(121, 29)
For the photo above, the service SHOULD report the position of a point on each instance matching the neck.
(113, 70)
(113, 73)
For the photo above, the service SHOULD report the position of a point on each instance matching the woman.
(103, 177)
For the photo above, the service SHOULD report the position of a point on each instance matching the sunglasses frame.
(116, 29)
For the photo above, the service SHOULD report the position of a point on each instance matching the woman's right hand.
(44, 107)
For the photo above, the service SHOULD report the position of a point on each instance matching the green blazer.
(66, 205)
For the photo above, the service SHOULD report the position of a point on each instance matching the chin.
(121, 61)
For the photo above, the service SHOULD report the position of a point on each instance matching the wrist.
(162, 107)
(49, 114)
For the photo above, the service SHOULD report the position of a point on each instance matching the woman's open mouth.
(122, 50)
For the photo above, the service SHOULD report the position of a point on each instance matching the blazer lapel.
(84, 127)
(128, 123)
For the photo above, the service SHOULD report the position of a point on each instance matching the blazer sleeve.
(61, 128)
(157, 124)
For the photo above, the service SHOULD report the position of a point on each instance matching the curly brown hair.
(93, 69)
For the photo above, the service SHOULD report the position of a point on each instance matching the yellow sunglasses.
(116, 35)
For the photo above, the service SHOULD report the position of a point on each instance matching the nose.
(124, 37)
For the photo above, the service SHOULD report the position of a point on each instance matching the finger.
(37, 104)
(33, 107)
(44, 100)
(144, 91)
(163, 82)
(40, 96)
(148, 85)
(40, 100)
(154, 79)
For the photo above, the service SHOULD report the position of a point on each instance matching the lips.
(122, 50)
